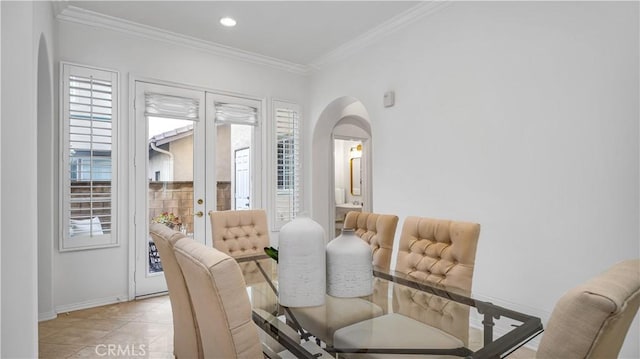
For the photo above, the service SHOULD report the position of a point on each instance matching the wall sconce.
(355, 152)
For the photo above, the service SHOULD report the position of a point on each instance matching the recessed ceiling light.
(228, 21)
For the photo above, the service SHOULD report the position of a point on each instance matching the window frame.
(105, 240)
(276, 188)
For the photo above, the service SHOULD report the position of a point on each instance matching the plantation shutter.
(288, 166)
(89, 118)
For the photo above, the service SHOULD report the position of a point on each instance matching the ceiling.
(299, 32)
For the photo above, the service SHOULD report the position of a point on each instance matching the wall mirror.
(355, 165)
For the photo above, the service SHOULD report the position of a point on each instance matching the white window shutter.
(89, 117)
(288, 181)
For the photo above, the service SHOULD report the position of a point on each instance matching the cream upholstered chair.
(591, 320)
(442, 252)
(187, 343)
(221, 304)
(239, 233)
(219, 300)
(186, 338)
(378, 230)
(433, 250)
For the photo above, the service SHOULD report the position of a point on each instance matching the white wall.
(19, 238)
(520, 116)
(343, 110)
(339, 167)
(0, 187)
(342, 166)
(182, 150)
(46, 154)
(87, 278)
(342, 152)
(223, 153)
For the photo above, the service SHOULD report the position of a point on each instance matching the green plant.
(168, 219)
(272, 252)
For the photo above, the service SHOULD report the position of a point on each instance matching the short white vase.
(349, 268)
(301, 263)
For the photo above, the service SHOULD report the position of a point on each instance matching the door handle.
(199, 214)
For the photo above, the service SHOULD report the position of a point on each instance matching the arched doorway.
(46, 182)
(342, 111)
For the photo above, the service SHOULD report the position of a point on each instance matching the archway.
(46, 182)
(342, 110)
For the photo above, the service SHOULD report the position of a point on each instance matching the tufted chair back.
(378, 230)
(220, 301)
(186, 338)
(441, 252)
(239, 233)
(592, 320)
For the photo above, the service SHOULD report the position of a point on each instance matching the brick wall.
(177, 198)
(172, 197)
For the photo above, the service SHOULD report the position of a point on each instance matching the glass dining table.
(480, 329)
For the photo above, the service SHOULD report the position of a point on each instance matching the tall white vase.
(349, 268)
(301, 263)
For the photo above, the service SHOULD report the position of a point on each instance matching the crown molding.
(59, 6)
(394, 24)
(78, 15)
(66, 13)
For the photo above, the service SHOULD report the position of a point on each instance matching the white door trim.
(150, 283)
(129, 206)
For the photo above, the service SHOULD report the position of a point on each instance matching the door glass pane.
(170, 177)
(233, 166)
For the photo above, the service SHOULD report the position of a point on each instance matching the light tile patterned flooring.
(141, 328)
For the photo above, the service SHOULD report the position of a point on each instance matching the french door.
(170, 172)
(185, 166)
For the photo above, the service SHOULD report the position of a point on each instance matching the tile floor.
(136, 329)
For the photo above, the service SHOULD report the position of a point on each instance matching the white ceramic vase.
(349, 268)
(301, 263)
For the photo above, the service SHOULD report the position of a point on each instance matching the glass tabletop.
(403, 316)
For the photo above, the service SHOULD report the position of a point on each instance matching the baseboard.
(98, 302)
(152, 295)
(503, 325)
(47, 316)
